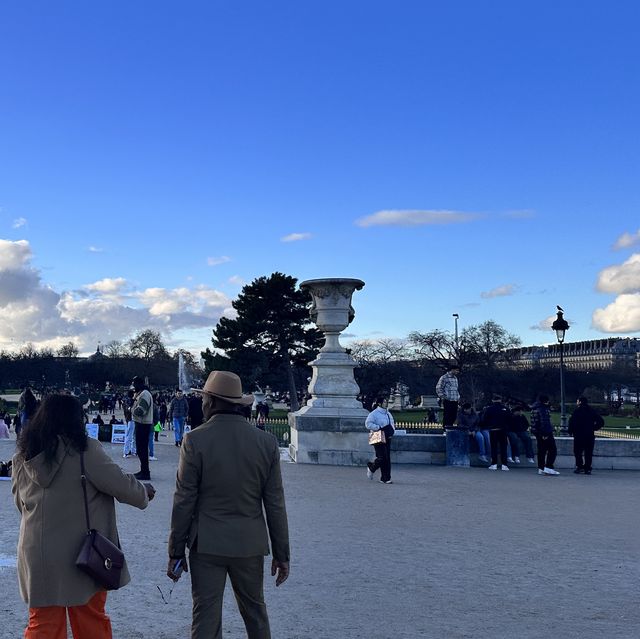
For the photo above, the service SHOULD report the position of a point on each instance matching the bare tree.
(28, 351)
(477, 351)
(115, 348)
(376, 351)
(148, 345)
(68, 350)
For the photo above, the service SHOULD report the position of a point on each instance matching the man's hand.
(282, 568)
(171, 568)
(151, 491)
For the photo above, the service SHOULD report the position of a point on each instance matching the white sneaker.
(493, 467)
(510, 460)
(126, 455)
(153, 459)
(483, 458)
(503, 467)
(540, 471)
(531, 460)
(550, 471)
(369, 474)
(516, 460)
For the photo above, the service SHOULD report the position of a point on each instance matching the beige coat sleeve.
(275, 510)
(107, 477)
(16, 469)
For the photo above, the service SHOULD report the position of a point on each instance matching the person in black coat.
(496, 418)
(582, 425)
(195, 410)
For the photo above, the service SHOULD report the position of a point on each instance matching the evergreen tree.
(271, 337)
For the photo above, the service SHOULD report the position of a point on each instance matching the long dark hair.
(57, 415)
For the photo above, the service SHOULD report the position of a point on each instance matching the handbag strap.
(83, 478)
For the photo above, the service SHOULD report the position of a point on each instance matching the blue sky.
(478, 158)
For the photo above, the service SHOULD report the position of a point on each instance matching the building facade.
(595, 354)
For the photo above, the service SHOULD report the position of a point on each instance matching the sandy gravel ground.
(443, 552)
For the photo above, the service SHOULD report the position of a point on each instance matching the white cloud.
(236, 280)
(95, 249)
(19, 222)
(296, 237)
(101, 311)
(415, 218)
(215, 261)
(14, 254)
(545, 324)
(622, 278)
(499, 291)
(621, 316)
(627, 240)
(108, 285)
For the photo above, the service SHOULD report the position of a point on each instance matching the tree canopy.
(271, 339)
(148, 345)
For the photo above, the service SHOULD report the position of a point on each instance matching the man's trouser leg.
(247, 578)
(449, 412)
(589, 445)
(493, 438)
(577, 452)
(542, 452)
(552, 451)
(207, 588)
(142, 446)
(208, 576)
(178, 427)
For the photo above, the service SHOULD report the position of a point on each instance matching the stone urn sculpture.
(330, 428)
(332, 385)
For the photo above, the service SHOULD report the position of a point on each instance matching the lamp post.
(455, 319)
(560, 326)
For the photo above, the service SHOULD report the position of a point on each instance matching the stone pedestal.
(429, 401)
(330, 428)
(457, 448)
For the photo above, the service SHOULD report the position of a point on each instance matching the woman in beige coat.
(48, 493)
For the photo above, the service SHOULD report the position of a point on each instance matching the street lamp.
(455, 319)
(560, 326)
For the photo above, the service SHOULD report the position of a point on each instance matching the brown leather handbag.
(99, 557)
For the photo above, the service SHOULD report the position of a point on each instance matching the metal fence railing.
(280, 429)
(618, 434)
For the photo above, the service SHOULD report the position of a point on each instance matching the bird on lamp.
(560, 308)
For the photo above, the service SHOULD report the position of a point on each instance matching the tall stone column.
(330, 428)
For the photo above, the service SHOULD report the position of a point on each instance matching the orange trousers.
(87, 622)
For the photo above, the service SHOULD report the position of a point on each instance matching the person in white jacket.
(380, 419)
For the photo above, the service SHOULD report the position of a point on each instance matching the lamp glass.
(560, 334)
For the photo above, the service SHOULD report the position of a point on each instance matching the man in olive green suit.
(228, 471)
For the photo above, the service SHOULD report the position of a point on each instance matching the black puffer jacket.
(496, 416)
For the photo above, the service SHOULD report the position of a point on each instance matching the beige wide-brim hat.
(226, 386)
